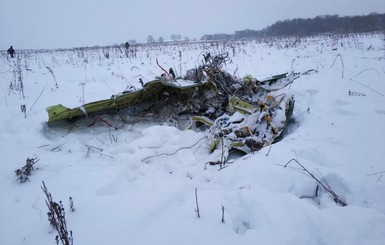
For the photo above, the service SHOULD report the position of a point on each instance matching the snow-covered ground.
(128, 188)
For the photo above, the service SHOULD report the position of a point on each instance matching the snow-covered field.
(126, 188)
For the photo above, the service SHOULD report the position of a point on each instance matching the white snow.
(136, 185)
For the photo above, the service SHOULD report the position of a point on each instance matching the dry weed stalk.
(335, 197)
(56, 218)
(342, 62)
(196, 203)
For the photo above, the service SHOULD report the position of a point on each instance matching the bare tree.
(150, 39)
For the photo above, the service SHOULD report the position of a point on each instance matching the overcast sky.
(73, 23)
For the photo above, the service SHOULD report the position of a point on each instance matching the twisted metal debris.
(242, 113)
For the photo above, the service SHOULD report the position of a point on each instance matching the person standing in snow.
(126, 46)
(11, 51)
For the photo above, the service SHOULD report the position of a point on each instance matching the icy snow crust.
(136, 185)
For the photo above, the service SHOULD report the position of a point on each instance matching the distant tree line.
(332, 24)
(173, 38)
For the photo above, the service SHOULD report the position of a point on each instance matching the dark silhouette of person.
(126, 45)
(11, 51)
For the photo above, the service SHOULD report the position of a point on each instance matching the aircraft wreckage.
(239, 113)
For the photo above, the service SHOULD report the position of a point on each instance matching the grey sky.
(72, 23)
